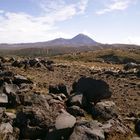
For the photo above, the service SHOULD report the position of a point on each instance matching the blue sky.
(106, 21)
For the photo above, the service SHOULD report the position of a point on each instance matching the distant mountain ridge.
(77, 41)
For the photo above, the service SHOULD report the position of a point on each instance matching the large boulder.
(104, 110)
(67, 118)
(85, 130)
(63, 127)
(94, 90)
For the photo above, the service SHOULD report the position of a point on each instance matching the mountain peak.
(80, 35)
(83, 39)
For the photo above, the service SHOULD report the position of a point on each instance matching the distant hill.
(115, 55)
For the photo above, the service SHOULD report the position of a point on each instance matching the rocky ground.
(52, 100)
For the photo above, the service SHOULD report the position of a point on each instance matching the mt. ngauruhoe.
(77, 41)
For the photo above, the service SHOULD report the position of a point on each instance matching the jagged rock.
(10, 115)
(85, 130)
(76, 99)
(17, 63)
(60, 96)
(12, 59)
(50, 67)
(7, 132)
(76, 111)
(10, 88)
(25, 99)
(33, 62)
(137, 127)
(67, 118)
(37, 120)
(19, 79)
(2, 110)
(33, 122)
(6, 74)
(63, 127)
(3, 100)
(40, 100)
(115, 129)
(104, 110)
(93, 90)
(56, 89)
(131, 65)
(50, 62)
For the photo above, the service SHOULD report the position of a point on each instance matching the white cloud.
(22, 27)
(1, 11)
(82, 5)
(114, 5)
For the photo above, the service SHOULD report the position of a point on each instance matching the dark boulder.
(138, 73)
(76, 111)
(57, 89)
(50, 67)
(137, 127)
(131, 65)
(50, 62)
(18, 64)
(94, 90)
(33, 62)
(6, 74)
(33, 122)
(19, 79)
